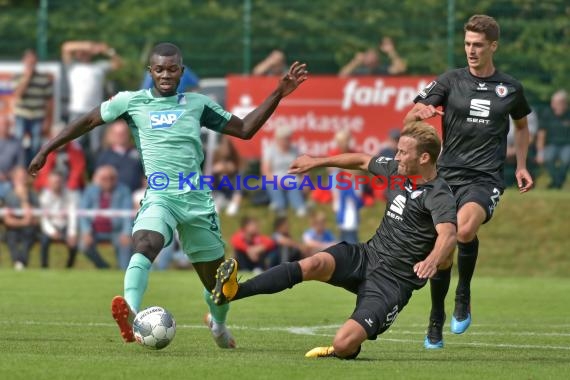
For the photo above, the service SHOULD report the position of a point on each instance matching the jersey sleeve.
(435, 92)
(382, 166)
(116, 106)
(521, 107)
(213, 116)
(442, 206)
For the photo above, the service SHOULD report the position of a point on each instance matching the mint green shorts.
(194, 216)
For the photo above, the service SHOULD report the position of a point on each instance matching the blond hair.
(426, 136)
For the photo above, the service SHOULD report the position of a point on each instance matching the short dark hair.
(165, 49)
(426, 136)
(278, 222)
(245, 220)
(484, 24)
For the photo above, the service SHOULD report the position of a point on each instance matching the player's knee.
(465, 234)
(313, 268)
(345, 348)
(148, 243)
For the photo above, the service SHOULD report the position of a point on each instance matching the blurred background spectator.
(274, 64)
(86, 81)
(318, 236)
(21, 230)
(553, 140)
(370, 62)
(289, 249)
(349, 205)
(61, 226)
(252, 250)
(226, 165)
(33, 109)
(69, 161)
(277, 157)
(120, 153)
(12, 156)
(510, 166)
(390, 146)
(106, 193)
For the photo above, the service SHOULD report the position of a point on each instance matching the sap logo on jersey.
(164, 119)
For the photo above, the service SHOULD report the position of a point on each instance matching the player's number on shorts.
(214, 225)
(494, 200)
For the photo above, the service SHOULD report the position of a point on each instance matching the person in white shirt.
(59, 222)
(86, 78)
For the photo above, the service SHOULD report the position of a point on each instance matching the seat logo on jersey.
(501, 91)
(397, 208)
(164, 119)
(480, 108)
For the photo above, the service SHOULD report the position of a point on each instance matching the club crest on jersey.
(164, 119)
(501, 91)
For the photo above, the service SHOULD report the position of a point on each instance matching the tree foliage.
(325, 33)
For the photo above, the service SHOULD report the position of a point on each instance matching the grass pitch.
(57, 325)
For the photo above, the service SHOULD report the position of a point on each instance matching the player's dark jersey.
(407, 232)
(475, 123)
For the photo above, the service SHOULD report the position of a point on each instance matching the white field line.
(318, 331)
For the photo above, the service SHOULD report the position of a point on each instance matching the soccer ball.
(154, 328)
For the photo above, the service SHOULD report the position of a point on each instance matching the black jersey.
(407, 232)
(475, 123)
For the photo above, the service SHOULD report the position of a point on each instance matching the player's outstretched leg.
(124, 316)
(274, 280)
(466, 260)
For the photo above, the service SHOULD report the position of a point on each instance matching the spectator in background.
(318, 237)
(34, 104)
(21, 228)
(390, 147)
(106, 193)
(120, 153)
(275, 163)
(226, 165)
(343, 141)
(86, 80)
(274, 64)
(553, 140)
(69, 161)
(511, 159)
(252, 250)
(12, 156)
(61, 226)
(369, 62)
(188, 82)
(349, 205)
(289, 249)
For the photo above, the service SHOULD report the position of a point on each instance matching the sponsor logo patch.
(424, 93)
(164, 119)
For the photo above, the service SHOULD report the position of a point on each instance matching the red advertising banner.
(369, 107)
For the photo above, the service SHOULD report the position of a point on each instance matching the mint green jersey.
(166, 131)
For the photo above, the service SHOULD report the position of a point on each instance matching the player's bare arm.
(441, 253)
(355, 161)
(421, 112)
(248, 127)
(75, 129)
(522, 138)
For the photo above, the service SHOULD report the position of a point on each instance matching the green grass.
(56, 325)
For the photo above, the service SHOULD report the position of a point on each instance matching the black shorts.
(485, 194)
(380, 295)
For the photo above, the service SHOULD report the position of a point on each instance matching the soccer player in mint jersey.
(166, 128)
(415, 238)
(477, 101)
